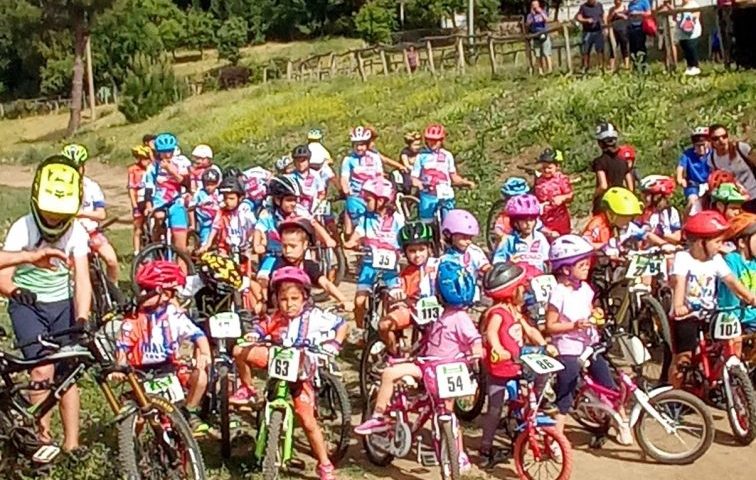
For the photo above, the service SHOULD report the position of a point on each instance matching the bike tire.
(741, 386)
(333, 390)
(691, 402)
(225, 411)
(130, 465)
(367, 361)
(493, 214)
(449, 461)
(659, 352)
(596, 424)
(376, 456)
(270, 465)
(468, 414)
(551, 434)
(157, 251)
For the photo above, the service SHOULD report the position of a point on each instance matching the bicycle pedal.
(428, 459)
(597, 442)
(296, 464)
(46, 454)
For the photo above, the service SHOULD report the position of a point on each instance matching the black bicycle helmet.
(211, 175)
(300, 223)
(234, 172)
(284, 186)
(500, 280)
(301, 151)
(415, 233)
(231, 184)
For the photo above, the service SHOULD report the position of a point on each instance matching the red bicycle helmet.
(658, 185)
(718, 177)
(434, 131)
(159, 275)
(626, 153)
(291, 274)
(706, 224)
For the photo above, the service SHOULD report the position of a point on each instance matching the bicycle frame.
(282, 402)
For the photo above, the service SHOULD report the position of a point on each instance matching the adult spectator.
(734, 156)
(618, 18)
(637, 10)
(610, 169)
(688, 32)
(536, 23)
(591, 17)
(726, 29)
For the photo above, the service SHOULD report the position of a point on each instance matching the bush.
(233, 76)
(231, 36)
(376, 20)
(150, 86)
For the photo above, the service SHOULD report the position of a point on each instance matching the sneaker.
(199, 427)
(464, 463)
(489, 460)
(624, 435)
(327, 472)
(242, 396)
(376, 424)
(695, 71)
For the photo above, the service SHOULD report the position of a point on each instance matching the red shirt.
(510, 337)
(555, 217)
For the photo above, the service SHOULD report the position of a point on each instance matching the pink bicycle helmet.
(380, 187)
(460, 221)
(291, 274)
(523, 206)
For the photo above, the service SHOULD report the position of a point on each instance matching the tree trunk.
(77, 84)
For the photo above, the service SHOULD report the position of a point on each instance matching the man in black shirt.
(611, 171)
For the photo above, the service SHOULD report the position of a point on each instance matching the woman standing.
(688, 32)
(638, 9)
(618, 19)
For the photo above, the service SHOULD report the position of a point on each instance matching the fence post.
(492, 54)
(332, 66)
(360, 65)
(669, 45)
(529, 54)
(265, 75)
(567, 49)
(289, 70)
(431, 64)
(406, 62)
(383, 61)
(460, 55)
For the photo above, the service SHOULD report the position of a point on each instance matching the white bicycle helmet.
(202, 151)
(606, 131)
(700, 132)
(360, 134)
(568, 250)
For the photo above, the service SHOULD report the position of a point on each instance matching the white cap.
(202, 151)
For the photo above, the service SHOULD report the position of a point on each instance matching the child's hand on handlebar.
(681, 311)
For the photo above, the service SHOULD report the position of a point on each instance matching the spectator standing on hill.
(618, 19)
(610, 169)
(726, 29)
(536, 23)
(591, 16)
(637, 10)
(733, 156)
(688, 32)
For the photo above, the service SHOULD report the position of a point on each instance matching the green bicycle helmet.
(728, 193)
(76, 153)
(415, 233)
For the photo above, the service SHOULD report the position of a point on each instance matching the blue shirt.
(637, 6)
(533, 250)
(745, 272)
(205, 207)
(696, 167)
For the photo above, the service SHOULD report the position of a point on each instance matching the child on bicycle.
(412, 146)
(153, 337)
(620, 207)
(319, 153)
(135, 186)
(569, 322)
(376, 231)
(660, 217)
(92, 212)
(453, 333)
(256, 186)
(728, 199)
(459, 228)
(525, 243)
(512, 187)
(359, 166)
(742, 264)
(202, 161)
(553, 190)
(696, 272)
(504, 332)
(295, 321)
(205, 203)
(693, 169)
(435, 174)
(417, 279)
(310, 182)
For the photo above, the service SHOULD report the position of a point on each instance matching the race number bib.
(541, 364)
(542, 287)
(726, 326)
(225, 325)
(641, 266)
(454, 380)
(167, 387)
(444, 191)
(384, 259)
(322, 209)
(283, 363)
(428, 310)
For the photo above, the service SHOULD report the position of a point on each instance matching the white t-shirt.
(700, 278)
(686, 17)
(318, 153)
(573, 305)
(92, 198)
(49, 285)
(738, 166)
(665, 222)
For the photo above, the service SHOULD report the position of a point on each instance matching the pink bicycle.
(659, 417)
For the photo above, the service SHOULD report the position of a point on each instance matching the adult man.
(592, 17)
(733, 156)
(611, 171)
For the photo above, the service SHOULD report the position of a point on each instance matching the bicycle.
(597, 407)
(171, 453)
(332, 261)
(106, 296)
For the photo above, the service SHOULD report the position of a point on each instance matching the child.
(453, 333)
(205, 203)
(412, 145)
(693, 169)
(728, 200)
(154, 336)
(142, 159)
(554, 191)
(377, 231)
(695, 272)
(742, 264)
(319, 153)
(295, 321)
(503, 330)
(358, 167)
(569, 322)
(459, 228)
(627, 153)
(310, 182)
(660, 218)
(234, 224)
(512, 187)
(418, 280)
(620, 207)
(435, 173)
(202, 161)
(256, 187)
(525, 243)
(285, 165)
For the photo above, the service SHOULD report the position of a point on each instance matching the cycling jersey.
(318, 153)
(360, 169)
(164, 186)
(156, 337)
(92, 198)
(533, 249)
(313, 188)
(745, 271)
(434, 169)
(256, 184)
(136, 180)
(378, 233)
(233, 228)
(326, 174)
(510, 337)
(664, 222)
(206, 207)
(268, 223)
(555, 217)
(313, 325)
(195, 176)
(473, 259)
(420, 282)
(598, 230)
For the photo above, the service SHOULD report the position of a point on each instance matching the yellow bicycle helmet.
(76, 153)
(141, 151)
(413, 136)
(220, 269)
(621, 201)
(56, 192)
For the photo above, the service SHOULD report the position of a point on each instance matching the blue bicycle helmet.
(514, 186)
(165, 143)
(455, 284)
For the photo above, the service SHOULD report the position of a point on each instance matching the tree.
(150, 86)
(200, 29)
(376, 20)
(231, 36)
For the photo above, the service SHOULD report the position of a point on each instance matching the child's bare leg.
(197, 388)
(360, 304)
(389, 376)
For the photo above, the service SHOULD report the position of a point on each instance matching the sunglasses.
(719, 137)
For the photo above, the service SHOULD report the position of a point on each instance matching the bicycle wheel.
(449, 461)
(493, 215)
(272, 459)
(158, 445)
(371, 443)
(592, 419)
(334, 414)
(683, 411)
(224, 411)
(655, 332)
(371, 363)
(159, 251)
(543, 454)
(468, 408)
(742, 412)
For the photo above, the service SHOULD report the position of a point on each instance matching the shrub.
(231, 36)
(150, 86)
(233, 76)
(375, 21)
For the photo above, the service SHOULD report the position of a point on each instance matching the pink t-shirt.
(573, 305)
(451, 334)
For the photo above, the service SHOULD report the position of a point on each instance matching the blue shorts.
(429, 203)
(176, 215)
(29, 322)
(356, 208)
(266, 265)
(690, 190)
(367, 276)
(204, 232)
